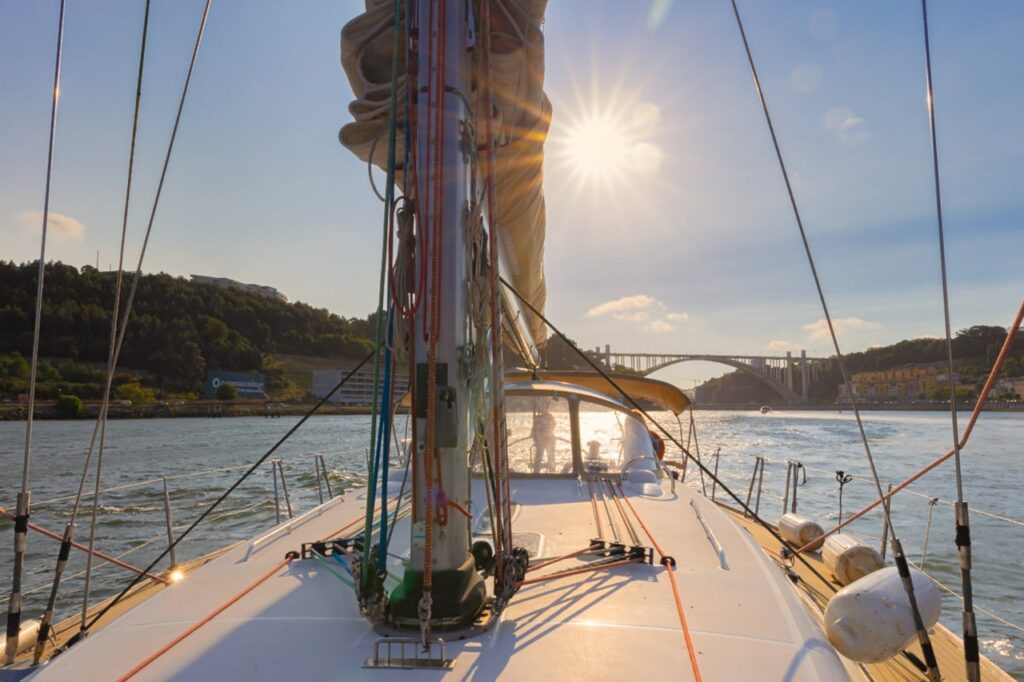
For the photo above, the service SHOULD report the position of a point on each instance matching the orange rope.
(98, 554)
(213, 614)
(978, 406)
(220, 609)
(554, 560)
(675, 591)
(575, 571)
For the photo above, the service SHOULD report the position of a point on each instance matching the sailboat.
(532, 527)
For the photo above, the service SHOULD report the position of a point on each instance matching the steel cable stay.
(897, 548)
(962, 521)
(24, 496)
(118, 332)
(105, 405)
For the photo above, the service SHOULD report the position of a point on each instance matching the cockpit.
(560, 429)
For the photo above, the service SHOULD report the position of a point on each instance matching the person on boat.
(543, 434)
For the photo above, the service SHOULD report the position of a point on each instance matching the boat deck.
(949, 649)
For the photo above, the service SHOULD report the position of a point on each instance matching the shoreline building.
(357, 391)
(227, 283)
(911, 382)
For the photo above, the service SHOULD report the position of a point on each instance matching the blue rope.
(384, 445)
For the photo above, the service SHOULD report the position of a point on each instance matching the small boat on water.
(765, 409)
(533, 527)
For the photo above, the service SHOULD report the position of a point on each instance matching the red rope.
(978, 406)
(96, 553)
(675, 591)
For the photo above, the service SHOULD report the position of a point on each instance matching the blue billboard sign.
(249, 384)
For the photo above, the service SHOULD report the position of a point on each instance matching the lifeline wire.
(898, 554)
(24, 497)
(963, 527)
(313, 410)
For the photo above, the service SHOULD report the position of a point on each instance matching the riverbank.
(991, 406)
(47, 410)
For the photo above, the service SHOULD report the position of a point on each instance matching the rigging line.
(898, 554)
(25, 497)
(105, 405)
(979, 404)
(988, 613)
(962, 520)
(810, 256)
(672, 439)
(149, 227)
(389, 194)
(106, 557)
(313, 410)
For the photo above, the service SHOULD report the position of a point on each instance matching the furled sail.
(522, 114)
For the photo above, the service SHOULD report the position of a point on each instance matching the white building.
(357, 391)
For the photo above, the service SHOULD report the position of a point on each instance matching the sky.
(669, 229)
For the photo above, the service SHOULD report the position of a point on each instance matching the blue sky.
(692, 248)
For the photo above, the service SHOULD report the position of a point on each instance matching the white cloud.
(60, 226)
(659, 327)
(779, 345)
(818, 330)
(626, 304)
(640, 308)
(848, 127)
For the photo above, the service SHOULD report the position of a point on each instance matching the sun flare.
(612, 145)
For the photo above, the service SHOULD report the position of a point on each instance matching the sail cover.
(522, 114)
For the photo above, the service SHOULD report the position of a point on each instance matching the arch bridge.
(776, 371)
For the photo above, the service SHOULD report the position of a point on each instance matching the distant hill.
(974, 351)
(177, 330)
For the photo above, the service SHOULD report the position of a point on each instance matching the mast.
(441, 586)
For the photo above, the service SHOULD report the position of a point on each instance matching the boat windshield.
(610, 438)
(539, 434)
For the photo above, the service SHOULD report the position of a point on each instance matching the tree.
(226, 391)
(136, 393)
(70, 406)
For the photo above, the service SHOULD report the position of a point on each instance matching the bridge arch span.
(787, 394)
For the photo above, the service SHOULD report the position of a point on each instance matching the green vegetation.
(70, 406)
(226, 391)
(178, 330)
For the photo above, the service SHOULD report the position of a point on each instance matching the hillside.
(178, 329)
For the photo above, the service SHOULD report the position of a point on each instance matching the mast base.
(458, 595)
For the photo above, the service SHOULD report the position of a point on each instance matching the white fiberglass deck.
(303, 623)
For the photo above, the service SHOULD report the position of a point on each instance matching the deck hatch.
(409, 653)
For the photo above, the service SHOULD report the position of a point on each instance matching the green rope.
(389, 194)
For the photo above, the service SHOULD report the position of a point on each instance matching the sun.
(598, 148)
(610, 146)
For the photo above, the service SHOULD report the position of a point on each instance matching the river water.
(131, 518)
